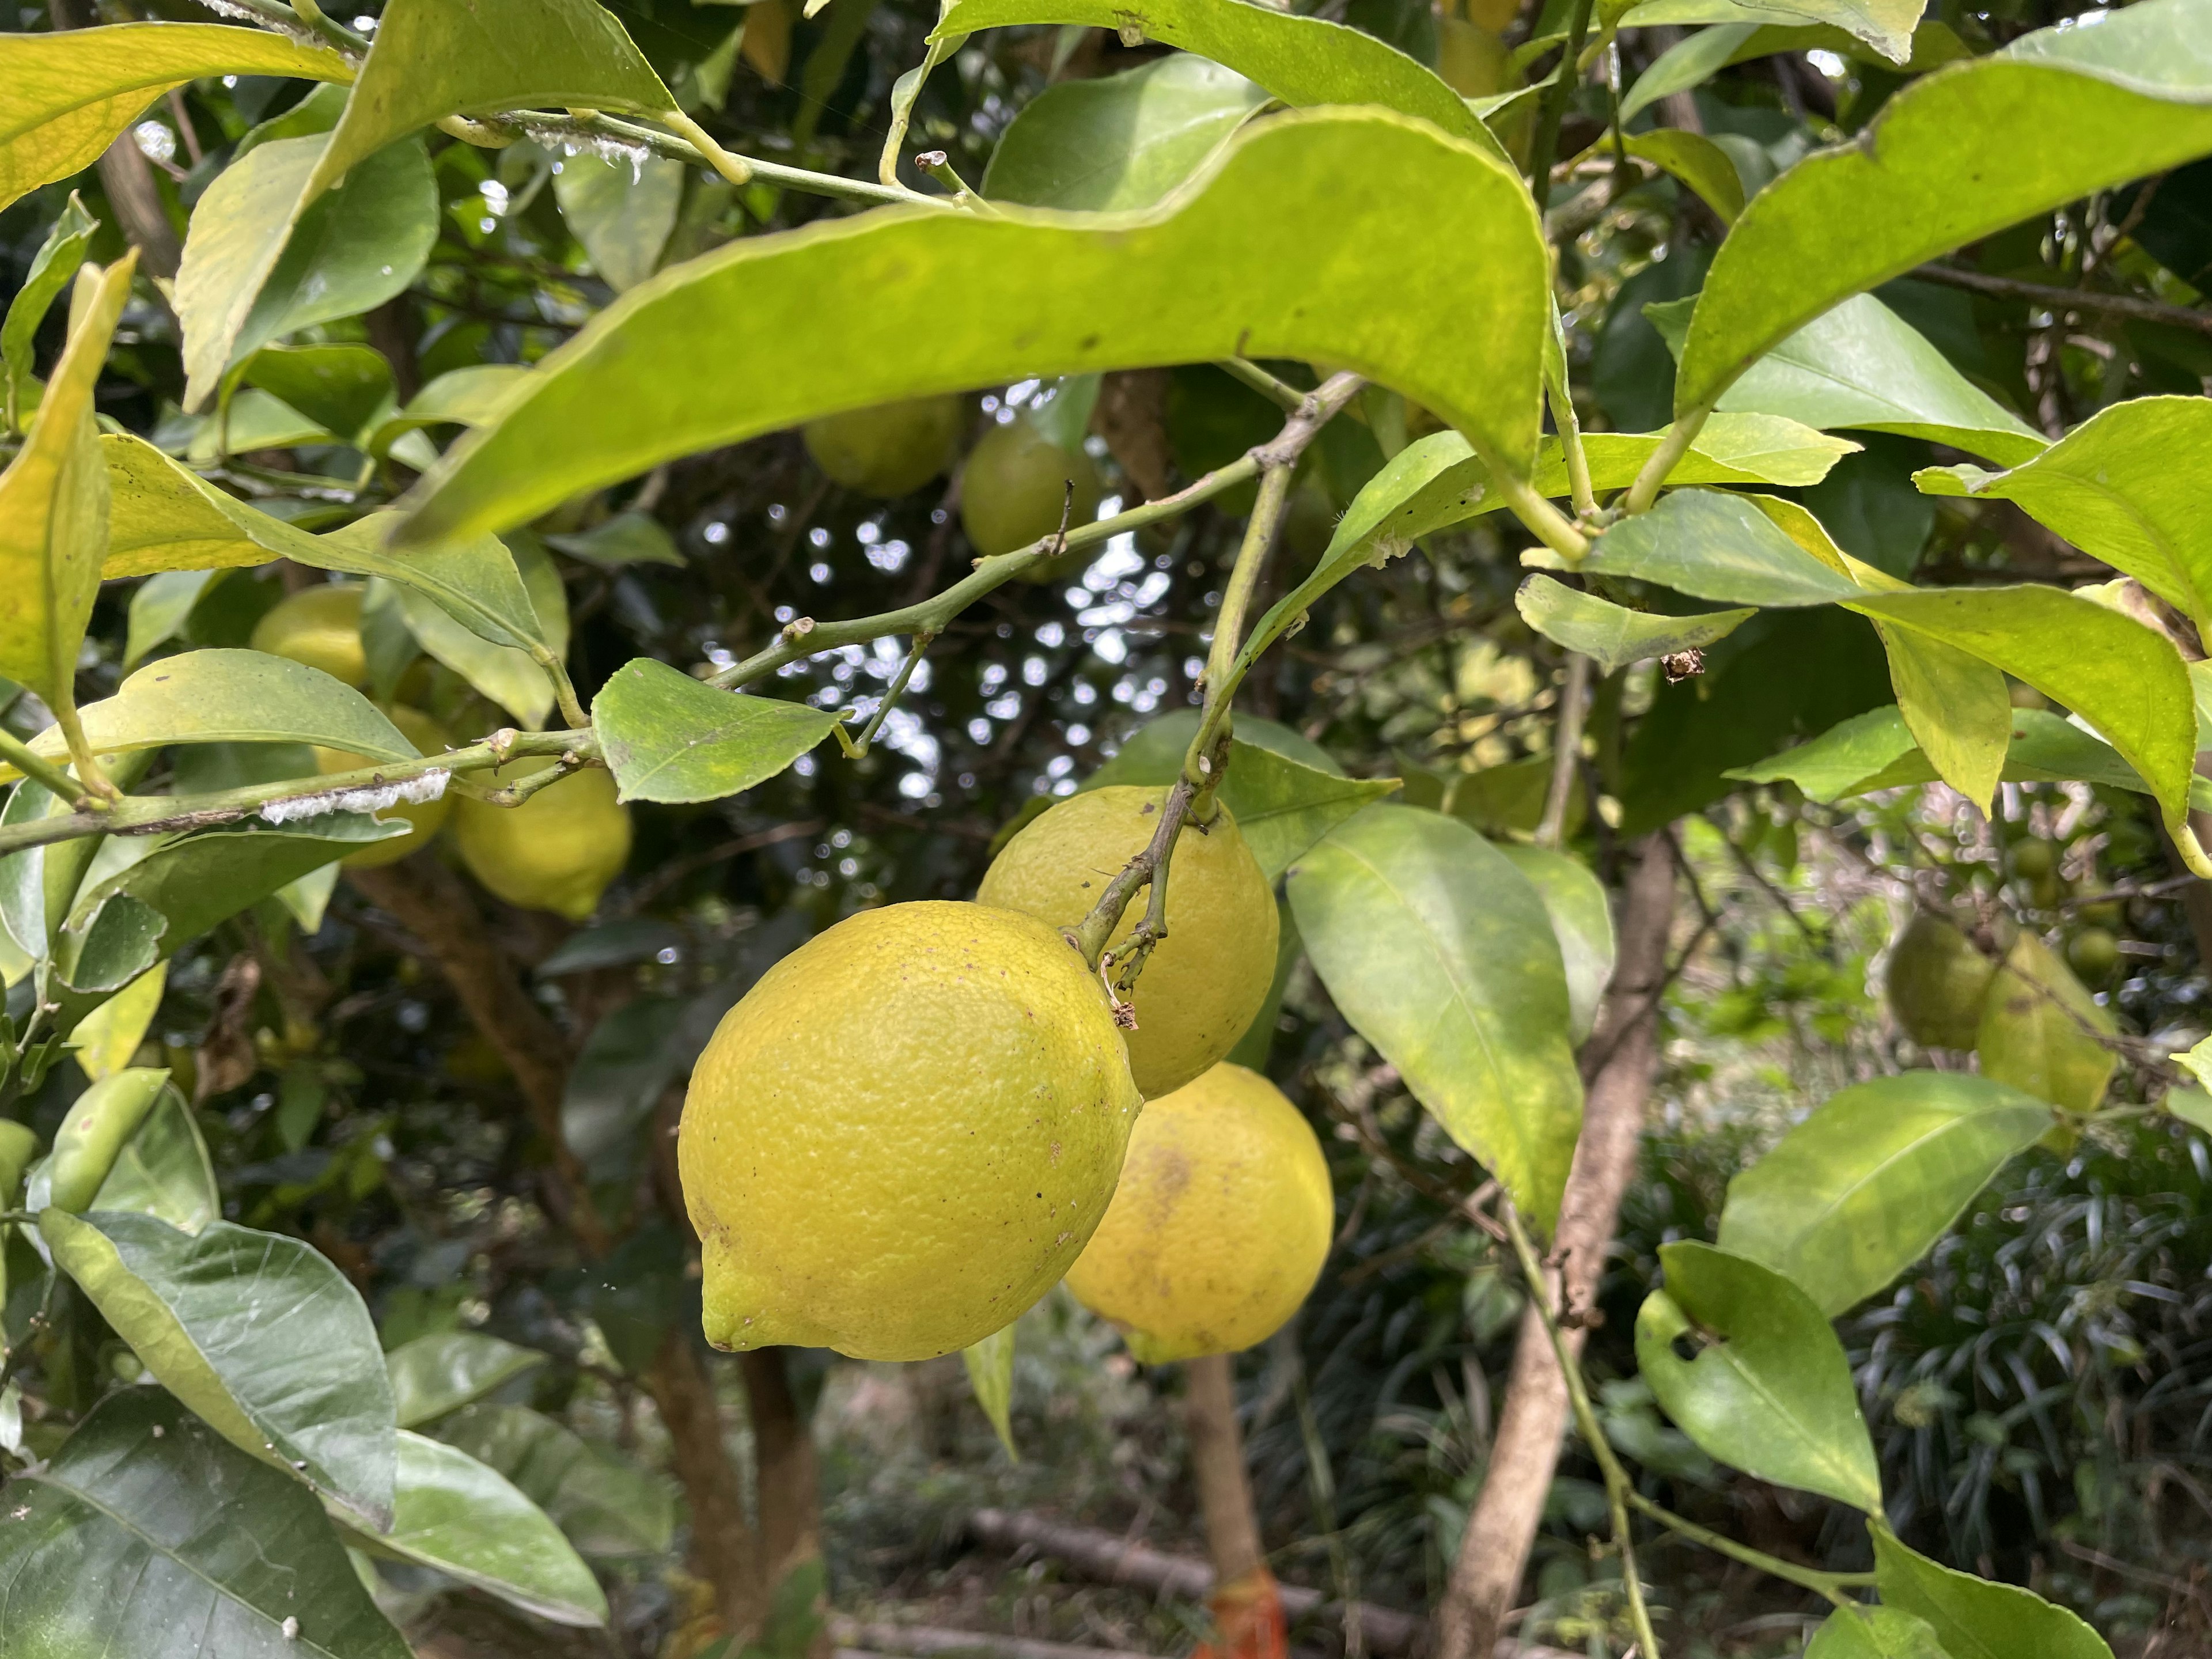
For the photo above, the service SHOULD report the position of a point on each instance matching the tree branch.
(2068, 299)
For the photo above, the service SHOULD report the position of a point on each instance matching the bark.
(1131, 416)
(128, 178)
(790, 1485)
(437, 908)
(1619, 1062)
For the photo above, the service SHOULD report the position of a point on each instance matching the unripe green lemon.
(1220, 1223)
(2034, 860)
(1207, 978)
(320, 627)
(428, 817)
(1309, 523)
(2041, 1029)
(1937, 983)
(890, 450)
(557, 851)
(904, 1134)
(2094, 953)
(1013, 488)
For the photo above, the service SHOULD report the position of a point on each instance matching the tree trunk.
(432, 904)
(1619, 1061)
(1248, 1607)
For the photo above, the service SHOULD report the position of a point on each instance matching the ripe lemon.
(904, 1134)
(428, 817)
(320, 627)
(1013, 489)
(557, 851)
(1938, 981)
(1208, 977)
(889, 450)
(1220, 1223)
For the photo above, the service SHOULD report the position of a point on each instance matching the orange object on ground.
(1248, 1616)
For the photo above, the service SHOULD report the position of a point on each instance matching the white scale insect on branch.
(378, 798)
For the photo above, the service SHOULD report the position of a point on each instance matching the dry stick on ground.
(1494, 1550)
(434, 904)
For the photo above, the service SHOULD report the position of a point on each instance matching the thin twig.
(1567, 748)
(2068, 299)
(1286, 397)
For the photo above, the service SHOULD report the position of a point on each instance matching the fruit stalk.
(55, 779)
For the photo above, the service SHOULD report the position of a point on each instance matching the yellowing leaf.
(53, 513)
(65, 97)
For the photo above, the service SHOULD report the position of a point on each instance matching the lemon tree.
(1315, 538)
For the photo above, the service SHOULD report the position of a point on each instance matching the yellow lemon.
(892, 449)
(904, 1134)
(1208, 977)
(557, 851)
(1938, 981)
(428, 817)
(1219, 1226)
(1013, 490)
(320, 627)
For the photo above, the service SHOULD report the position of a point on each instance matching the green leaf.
(164, 1169)
(2192, 1106)
(469, 1523)
(2117, 487)
(1865, 1186)
(608, 1508)
(66, 96)
(1716, 546)
(990, 1365)
(2070, 110)
(667, 736)
(234, 697)
(1283, 807)
(195, 1550)
(251, 420)
(54, 268)
(503, 673)
(1152, 754)
(2041, 1031)
(622, 216)
(1769, 1390)
(430, 59)
(344, 389)
(257, 1332)
(1686, 64)
(1302, 61)
(1862, 367)
(1123, 141)
(1611, 635)
(1858, 1633)
(1698, 162)
(447, 1370)
(631, 1056)
(267, 252)
(53, 512)
(468, 396)
(1885, 25)
(1876, 751)
(160, 607)
(1441, 954)
(1437, 481)
(659, 373)
(193, 881)
(2123, 679)
(627, 538)
(1978, 1618)
(1582, 918)
(1957, 706)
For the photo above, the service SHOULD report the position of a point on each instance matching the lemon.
(1207, 980)
(889, 450)
(1013, 489)
(904, 1134)
(1473, 61)
(557, 851)
(1938, 981)
(320, 627)
(1220, 1223)
(428, 817)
